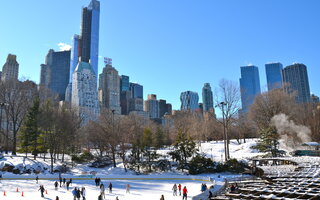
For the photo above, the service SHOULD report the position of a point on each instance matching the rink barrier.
(203, 179)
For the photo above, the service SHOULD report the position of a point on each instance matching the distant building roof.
(311, 144)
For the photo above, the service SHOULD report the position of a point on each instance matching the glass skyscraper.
(207, 97)
(189, 100)
(136, 90)
(274, 75)
(124, 83)
(86, 46)
(249, 86)
(55, 72)
(295, 78)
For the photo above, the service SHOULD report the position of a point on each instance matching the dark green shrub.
(200, 164)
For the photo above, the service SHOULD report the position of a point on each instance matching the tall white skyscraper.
(84, 92)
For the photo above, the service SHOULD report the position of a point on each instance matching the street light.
(224, 130)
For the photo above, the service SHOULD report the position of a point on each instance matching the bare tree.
(269, 104)
(17, 97)
(228, 98)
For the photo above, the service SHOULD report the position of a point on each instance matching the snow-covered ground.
(143, 187)
(243, 151)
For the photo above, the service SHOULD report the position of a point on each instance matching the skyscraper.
(109, 89)
(164, 108)
(10, 69)
(86, 46)
(136, 90)
(151, 105)
(274, 75)
(207, 97)
(124, 83)
(125, 94)
(295, 78)
(84, 92)
(55, 72)
(189, 101)
(249, 86)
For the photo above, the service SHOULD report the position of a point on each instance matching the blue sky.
(170, 46)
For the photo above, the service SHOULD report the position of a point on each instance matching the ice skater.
(128, 188)
(110, 187)
(41, 190)
(179, 187)
(184, 192)
(175, 188)
(102, 191)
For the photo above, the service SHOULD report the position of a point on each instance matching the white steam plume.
(291, 133)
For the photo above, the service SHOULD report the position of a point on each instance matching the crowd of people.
(78, 193)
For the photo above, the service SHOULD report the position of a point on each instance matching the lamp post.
(224, 130)
(114, 164)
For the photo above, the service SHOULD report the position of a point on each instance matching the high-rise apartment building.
(85, 47)
(164, 108)
(189, 100)
(125, 97)
(151, 105)
(295, 78)
(10, 69)
(84, 92)
(207, 98)
(55, 72)
(135, 104)
(136, 90)
(109, 89)
(274, 75)
(249, 86)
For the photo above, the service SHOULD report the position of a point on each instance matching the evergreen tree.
(269, 141)
(185, 148)
(29, 134)
(148, 151)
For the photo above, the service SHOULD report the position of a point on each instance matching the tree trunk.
(14, 145)
(113, 152)
(51, 158)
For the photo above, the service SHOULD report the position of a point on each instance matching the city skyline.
(133, 55)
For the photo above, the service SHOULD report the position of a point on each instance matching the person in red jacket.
(179, 187)
(184, 192)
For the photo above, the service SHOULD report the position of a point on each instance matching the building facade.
(55, 72)
(274, 75)
(124, 83)
(164, 108)
(136, 90)
(85, 47)
(295, 78)
(249, 86)
(10, 69)
(207, 97)
(189, 101)
(109, 89)
(125, 97)
(151, 105)
(135, 104)
(84, 92)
